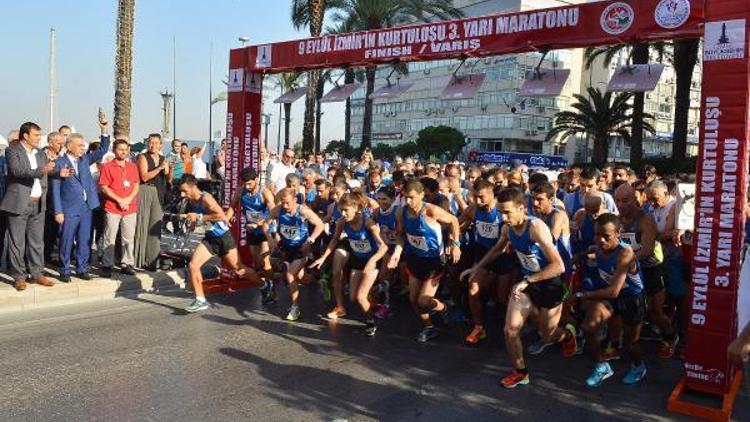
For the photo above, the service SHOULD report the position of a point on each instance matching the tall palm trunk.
(367, 118)
(316, 9)
(685, 59)
(124, 66)
(318, 112)
(287, 123)
(601, 149)
(640, 56)
(348, 79)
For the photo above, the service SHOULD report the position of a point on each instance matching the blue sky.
(85, 61)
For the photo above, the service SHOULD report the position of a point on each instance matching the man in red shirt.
(119, 182)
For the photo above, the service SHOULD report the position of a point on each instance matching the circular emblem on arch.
(617, 18)
(671, 14)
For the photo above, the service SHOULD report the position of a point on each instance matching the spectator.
(97, 215)
(74, 199)
(187, 160)
(119, 181)
(154, 173)
(54, 150)
(64, 131)
(25, 202)
(200, 170)
(277, 177)
(220, 160)
(174, 158)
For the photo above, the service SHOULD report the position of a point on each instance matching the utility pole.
(166, 97)
(52, 79)
(174, 87)
(266, 122)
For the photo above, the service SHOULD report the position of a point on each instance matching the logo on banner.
(234, 83)
(617, 18)
(671, 14)
(724, 40)
(254, 83)
(263, 59)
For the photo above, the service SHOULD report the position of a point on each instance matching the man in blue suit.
(74, 198)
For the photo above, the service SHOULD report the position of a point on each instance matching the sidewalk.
(80, 291)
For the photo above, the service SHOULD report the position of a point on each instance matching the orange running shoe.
(668, 347)
(336, 313)
(515, 378)
(476, 335)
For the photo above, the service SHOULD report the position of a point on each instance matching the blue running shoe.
(601, 372)
(635, 375)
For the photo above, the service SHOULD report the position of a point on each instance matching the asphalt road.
(126, 360)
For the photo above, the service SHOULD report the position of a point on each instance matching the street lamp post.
(266, 122)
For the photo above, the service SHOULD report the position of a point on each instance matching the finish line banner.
(606, 22)
(720, 198)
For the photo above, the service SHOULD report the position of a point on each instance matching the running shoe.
(336, 313)
(476, 335)
(570, 346)
(293, 314)
(427, 334)
(668, 347)
(611, 352)
(197, 306)
(602, 371)
(515, 378)
(538, 347)
(635, 375)
(268, 294)
(383, 311)
(370, 328)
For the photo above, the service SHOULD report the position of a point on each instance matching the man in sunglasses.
(279, 171)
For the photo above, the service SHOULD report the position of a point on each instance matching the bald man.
(279, 171)
(640, 232)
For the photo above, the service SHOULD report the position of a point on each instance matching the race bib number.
(529, 262)
(360, 246)
(389, 236)
(289, 232)
(418, 242)
(630, 239)
(488, 230)
(253, 217)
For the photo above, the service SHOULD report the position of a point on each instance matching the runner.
(340, 255)
(385, 216)
(256, 202)
(587, 182)
(421, 240)
(367, 249)
(218, 241)
(295, 241)
(540, 293)
(619, 294)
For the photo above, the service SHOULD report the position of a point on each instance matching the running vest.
(487, 225)
(216, 228)
(422, 239)
(310, 196)
(361, 241)
(387, 223)
(254, 208)
(633, 282)
(562, 243)
(292, 228)
(631, 236)
(529, 253)
(585, 235)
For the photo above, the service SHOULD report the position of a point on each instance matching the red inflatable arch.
(722, 157)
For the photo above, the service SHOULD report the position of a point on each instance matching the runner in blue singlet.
(218, 241)
(340, 255)
(385, 216)
(619, 293)
(367, 249)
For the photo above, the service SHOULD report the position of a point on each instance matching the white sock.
(200, 298)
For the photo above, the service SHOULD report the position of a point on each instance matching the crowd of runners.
(587, 257)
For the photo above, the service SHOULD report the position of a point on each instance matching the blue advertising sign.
(531, 160)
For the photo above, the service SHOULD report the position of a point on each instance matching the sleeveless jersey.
(387, 223)
(292, 229)
(631, 236)
(607, 265)
(361, 241)
(216, 228)
(254, 208)
(422, 239)
(487, 225)
(562, 243)
(529, 253)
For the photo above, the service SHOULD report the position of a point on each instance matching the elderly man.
(25, 202)
(54, 150)
(277, 176)
(74, 199)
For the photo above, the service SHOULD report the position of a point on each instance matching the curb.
(98, 289)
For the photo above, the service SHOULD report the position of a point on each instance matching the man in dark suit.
(74, 199)
(25, 203)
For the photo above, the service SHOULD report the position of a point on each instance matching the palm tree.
(285, 82)
(310, 13)
(379, 14)
(124, 66)
(685, 59)
(598, 116)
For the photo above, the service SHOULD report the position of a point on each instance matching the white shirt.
(200, 171)
(278, 175)
(74, 160)
(36, 188)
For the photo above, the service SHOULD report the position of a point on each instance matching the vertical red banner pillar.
(244, 101)
(720, 196)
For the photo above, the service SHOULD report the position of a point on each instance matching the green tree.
(685, 59)
(383, 152)
(407, 149)
(285, 82)
(598, 116)
(440, 141)
(339, 147)
(379, 14)
(124, 66)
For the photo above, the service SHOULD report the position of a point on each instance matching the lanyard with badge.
(125, 181)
